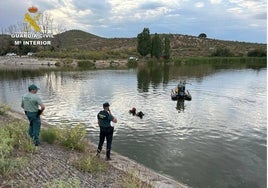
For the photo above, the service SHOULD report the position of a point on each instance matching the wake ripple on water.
(233, 98)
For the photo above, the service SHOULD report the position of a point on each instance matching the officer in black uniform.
(106, 130)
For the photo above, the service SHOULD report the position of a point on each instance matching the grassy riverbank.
(64, 159)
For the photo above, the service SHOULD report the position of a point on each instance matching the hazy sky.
(236, 20)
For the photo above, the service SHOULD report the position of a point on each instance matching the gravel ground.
(52, 164)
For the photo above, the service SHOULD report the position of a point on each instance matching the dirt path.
(52, 164)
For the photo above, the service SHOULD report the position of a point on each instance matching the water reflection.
(151, 73)
(10, 74)
(166, 73)
(143, 78)
(213, 133)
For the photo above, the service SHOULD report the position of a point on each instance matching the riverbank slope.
(53, 162)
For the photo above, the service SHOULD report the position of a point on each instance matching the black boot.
(98, 153)
(108, 158)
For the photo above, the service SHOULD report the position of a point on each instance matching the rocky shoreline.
(20, 61)
(53, 162)
(28, 62)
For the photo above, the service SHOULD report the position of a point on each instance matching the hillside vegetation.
(181, 45)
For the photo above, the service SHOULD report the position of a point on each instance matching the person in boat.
(181, 88)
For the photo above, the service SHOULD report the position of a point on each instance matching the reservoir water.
(217, 140)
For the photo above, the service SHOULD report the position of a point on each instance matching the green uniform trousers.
(34, 126)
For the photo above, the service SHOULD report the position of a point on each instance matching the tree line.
(159, 47)
(156, 46)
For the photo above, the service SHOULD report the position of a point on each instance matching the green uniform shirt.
(31, 102)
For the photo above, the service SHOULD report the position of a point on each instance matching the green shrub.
(57, 64)
(49, 135)
(18, 131)
(73, 137)
(90, 164)
(6, 143)
(3, 109)
(222, 52)
(13, 136)
(9, 165)
(70, 137)
(132, 63)
(132, 181)
(6, 165)
(257, 53)
(86, 64)
(58, 183)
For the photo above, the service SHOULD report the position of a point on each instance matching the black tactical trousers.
(106, 132)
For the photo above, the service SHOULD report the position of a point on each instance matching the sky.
(232, 20)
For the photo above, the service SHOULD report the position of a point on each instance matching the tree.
(144, 42)
(166, 53)
(156, 46)
(222, 52)
(257, 53)
(202, 35)
(46, 23)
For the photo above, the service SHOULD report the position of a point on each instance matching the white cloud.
(252, 10)
(140, 9)
(236, 10)
(215, 1)
(117, 18)
(199, 4)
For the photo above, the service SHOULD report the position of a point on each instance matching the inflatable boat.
(175, 95)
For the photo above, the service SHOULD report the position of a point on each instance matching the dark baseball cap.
(33, 87)
(106, 104)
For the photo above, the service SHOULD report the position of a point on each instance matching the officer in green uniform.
(31, 103)
(106, 130)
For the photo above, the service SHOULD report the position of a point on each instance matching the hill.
(181, 45)
(80, 40)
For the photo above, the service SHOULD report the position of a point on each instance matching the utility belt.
(38, 113)
(28, 112)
